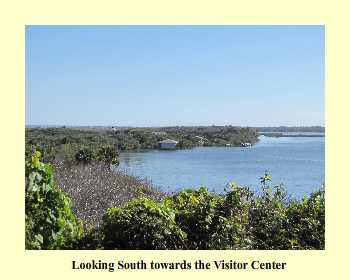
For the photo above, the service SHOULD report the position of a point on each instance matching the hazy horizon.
(273, 126)
(154, 76)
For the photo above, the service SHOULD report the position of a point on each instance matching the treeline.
(319, 129)
(190, 219)
(70, 144)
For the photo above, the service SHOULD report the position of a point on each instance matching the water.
(297, 162)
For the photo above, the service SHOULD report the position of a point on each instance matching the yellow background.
(18, 263)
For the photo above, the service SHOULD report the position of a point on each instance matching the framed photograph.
(156, 139)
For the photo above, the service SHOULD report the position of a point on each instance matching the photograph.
(174, 137)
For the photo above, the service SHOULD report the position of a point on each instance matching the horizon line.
(156, 126)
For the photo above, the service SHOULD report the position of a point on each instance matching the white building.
(159, 133)
(168, 144)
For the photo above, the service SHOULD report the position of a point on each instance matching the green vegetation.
(190, 219)
(85, 145)
(319, 129)
(142, 224)
(49, 220)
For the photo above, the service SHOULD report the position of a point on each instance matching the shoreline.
(273, 134)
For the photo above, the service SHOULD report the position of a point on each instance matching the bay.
(296, 162)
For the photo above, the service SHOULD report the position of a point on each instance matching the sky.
(174, 75)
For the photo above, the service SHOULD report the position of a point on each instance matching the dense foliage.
(85, 145)
(196, 219)
(206, 219)
(190, 219)
(66, 143)
(49, 220)
(142, 224)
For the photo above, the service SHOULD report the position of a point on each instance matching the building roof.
(168, 141)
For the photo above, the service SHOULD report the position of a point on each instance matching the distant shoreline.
(273, 134)
(277, 128)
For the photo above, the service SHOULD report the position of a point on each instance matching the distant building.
(168, 144)
(159, 133)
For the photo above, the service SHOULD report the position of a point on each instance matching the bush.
(108, 154)
(84, 156)
(47, 152)
(142, 224)
(185, 143)
(115, 161)
(277, 223)
(90, 240)
(235, 207)
(49, 220)
(268, 222)
(268, 218)
(66, 153)
(307, 222)
(195, 212)
(201, 215)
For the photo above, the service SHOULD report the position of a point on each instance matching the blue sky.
(175, 75)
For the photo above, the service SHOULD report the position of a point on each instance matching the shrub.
(235, 208)
(278, 223)
(185, 143)
(200, 215)
(84, 156)
(268, 217)
(115, 161)
(66, 153)
(197, 219)
(90, 240)
(47, 152)
(49, 220)
(142, 224)
(108, 154)
(307, 222)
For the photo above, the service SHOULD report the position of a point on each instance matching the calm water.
(297, 162)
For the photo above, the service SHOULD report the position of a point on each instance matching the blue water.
(296, 162)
